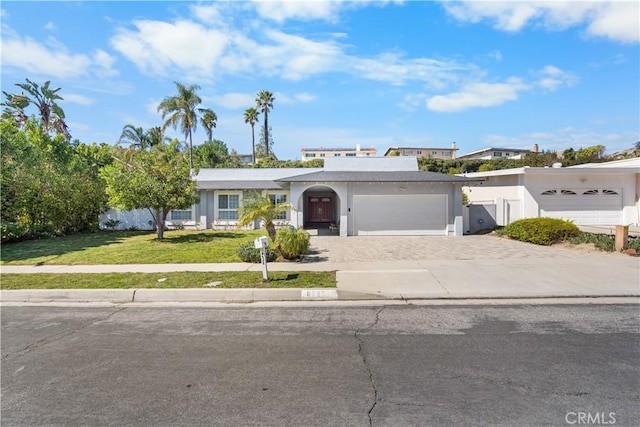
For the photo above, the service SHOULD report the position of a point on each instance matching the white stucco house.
(600, 194)
(355, 196)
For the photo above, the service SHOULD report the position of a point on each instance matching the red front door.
(320, 209)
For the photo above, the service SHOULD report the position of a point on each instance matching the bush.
(292, 243)
(12, 232)
(634, 243)
(600, 241)
(541, 231)
(248, 253)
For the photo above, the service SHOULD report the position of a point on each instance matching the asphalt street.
(524, 365)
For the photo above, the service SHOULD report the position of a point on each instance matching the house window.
(497, 154)
(276, 199)
(507, 154)
(351, 154)
(228, 205)
(419, 152)
(309, 154)
(321, 154)
(336, 155)
(610, 192)
(446, 154)
(434, 153)
(180, 215)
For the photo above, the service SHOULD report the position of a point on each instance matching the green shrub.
(541, 231)
(600, 241)
(634, 243)
(248, 253)
(12, 232)
(292, 243)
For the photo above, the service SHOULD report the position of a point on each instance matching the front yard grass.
(126, 247)
(243, 279)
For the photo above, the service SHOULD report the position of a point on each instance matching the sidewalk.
(542, 277)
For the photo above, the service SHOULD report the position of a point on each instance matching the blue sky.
(381, 74)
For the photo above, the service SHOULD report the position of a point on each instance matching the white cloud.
(158, 48)
(50, 26)
(53, 58)
(234, 100)
(552, 78)
(280, 11)
(35, 58)
(616, 20)
(477, 95)
(298, 98)
(412, 101)
(78, 99)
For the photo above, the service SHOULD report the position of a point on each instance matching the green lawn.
(126, 247)
(242, 279)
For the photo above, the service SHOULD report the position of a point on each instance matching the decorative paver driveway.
(419, 248)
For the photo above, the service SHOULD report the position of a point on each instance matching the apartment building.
(431, 152)
(321, 153)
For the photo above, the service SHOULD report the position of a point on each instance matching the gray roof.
(384, 176)
(239, 185)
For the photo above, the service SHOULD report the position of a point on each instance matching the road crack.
(57, 337)
(367, 365)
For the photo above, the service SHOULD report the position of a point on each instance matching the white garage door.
(401, 214)
(583, 207)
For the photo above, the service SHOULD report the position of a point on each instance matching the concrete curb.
(169, 295)
(248, 295)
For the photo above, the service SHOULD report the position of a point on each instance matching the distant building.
(498, 153)
(434, 153)
(321, 153)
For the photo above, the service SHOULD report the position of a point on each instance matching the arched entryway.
(321, 209)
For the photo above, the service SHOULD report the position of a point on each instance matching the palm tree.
(136, 137)
(251, 117)
(44, 98)
(181, 109)
(261, 207)
(155, 136)
(208, 119)
(14, 108)
(264, 102)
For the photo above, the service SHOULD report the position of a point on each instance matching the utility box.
(261, 242)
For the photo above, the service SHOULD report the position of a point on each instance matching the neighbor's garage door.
(583, 207)
(401, 214)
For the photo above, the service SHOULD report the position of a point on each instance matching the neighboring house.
(430, 152)
(603, 194)
(497, 153)
(356, 196)
(322, 153)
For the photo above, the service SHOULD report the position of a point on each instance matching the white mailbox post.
(262, 243)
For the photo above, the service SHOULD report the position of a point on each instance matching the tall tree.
(136, 137)
(158, 180)
(155, 136)
(52, 117)
(264, 103)
(209, 120)
(182, 111)
(251, 117)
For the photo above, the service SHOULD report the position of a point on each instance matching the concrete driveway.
(472, 267)
(356, 249)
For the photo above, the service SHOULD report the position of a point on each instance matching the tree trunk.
(271, 230)
(190, 151)
(266, 134)
(253, 144)
(159, 217)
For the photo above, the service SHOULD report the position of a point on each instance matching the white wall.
(139, 218)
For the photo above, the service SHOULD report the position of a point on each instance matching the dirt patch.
(589, 248)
